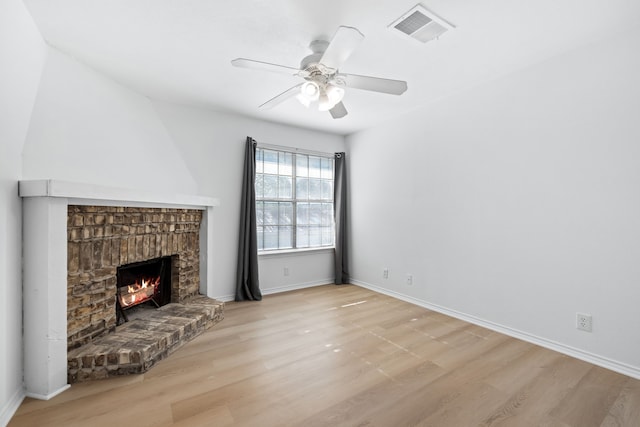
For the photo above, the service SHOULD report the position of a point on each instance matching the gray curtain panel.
(340, 214)
(247, 283)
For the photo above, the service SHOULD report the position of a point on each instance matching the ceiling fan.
(323, 83)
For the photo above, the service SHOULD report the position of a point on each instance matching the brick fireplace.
(102, 238)
(74, 237)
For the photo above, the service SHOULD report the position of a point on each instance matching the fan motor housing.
(318, 48)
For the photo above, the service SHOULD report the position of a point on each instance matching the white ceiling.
(180, 51)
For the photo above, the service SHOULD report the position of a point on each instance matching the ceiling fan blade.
(342, 45)
(289, 93)
(338, 111)
(266, 66)
(375, 84)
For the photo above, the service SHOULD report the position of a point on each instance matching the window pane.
(259, 158)
(286, 213)
(327, 189)
(314, 167)
(285, 237)
(327, 236)
(284, 189)
(302, 236)
(326, 168)
(260, 233)
(286, 164)
(270, 186)
(302, 213)
(315, 236)
(315, 213)
(259, 186)
(302, 188)
(259, 213)
(270, 213)
(327, 214)
(270, 161)
(302, 168)
(315, 189)
(270, 237)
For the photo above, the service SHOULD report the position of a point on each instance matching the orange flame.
(142, 290)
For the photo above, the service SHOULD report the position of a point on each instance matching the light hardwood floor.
(343, 355)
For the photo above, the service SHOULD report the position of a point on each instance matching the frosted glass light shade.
(335, 94)
(324, 104)
(310, 91)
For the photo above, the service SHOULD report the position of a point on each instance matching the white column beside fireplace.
(45, 205)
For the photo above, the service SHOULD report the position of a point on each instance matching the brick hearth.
(137, 345)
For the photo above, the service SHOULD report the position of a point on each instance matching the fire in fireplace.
(143, 289)
(143, 282)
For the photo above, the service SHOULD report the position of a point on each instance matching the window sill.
(289, 252)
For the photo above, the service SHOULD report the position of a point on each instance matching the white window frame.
(295, 202)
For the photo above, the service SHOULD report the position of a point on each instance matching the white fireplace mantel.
(45, 204)
(85, 194)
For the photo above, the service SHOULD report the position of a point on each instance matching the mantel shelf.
(108, 195)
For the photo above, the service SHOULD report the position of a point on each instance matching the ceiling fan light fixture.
(335, 94)
(310, 90)
(324, 103)
(323, 85)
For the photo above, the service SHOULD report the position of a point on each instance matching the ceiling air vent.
(422, 25)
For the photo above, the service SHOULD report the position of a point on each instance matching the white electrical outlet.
(584, 322)
(286, 271)
(409, 279)
(385, 273)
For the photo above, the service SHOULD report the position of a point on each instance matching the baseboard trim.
(296, 286)
(280, 289)
(11, 407)
(622, 368)
(47, 396)
(225, 298)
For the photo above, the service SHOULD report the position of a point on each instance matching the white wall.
(212, 144)
(89, 129)
(22, 54)
(515, 204)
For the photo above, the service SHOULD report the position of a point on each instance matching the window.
(294, 200)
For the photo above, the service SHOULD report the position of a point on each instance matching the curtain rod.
(294, 150)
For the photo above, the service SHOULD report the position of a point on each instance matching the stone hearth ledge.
(45, 204)
(137, 345)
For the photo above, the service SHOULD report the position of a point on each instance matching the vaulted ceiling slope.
(181, 51)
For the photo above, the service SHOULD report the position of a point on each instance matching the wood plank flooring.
(347, 356)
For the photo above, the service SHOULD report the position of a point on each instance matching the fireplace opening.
(142, 284)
